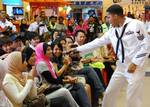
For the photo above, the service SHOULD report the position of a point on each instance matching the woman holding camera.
(46, 69)
(20, 86)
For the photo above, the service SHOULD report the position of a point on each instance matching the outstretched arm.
(89, 47)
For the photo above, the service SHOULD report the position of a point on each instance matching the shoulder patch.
(141, 36)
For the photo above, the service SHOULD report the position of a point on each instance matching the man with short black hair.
(105, 25)
(5, 47)
(60, 25)
(80, 37)
(34, 39)
(131, 44)
(52, 24)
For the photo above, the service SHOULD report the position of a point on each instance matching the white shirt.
(34, 27)
(135, 41)
(6, 24)
(61, 27)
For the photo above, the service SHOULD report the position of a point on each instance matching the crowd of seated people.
(36, 61)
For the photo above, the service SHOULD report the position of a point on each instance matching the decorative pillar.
(106, 4)
(1, 5)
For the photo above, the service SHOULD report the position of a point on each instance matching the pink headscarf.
(41, 57)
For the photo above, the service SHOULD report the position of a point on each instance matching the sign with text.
(117, 1)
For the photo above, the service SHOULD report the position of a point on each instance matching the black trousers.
(59, 102)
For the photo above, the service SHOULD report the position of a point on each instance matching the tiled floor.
(146, 95)
(146, 91)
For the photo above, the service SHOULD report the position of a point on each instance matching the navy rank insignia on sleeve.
(141, 36)
(129, 32)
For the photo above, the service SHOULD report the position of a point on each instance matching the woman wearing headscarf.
(4, 102)
(46, 70)
(55, 98)
(17, 86)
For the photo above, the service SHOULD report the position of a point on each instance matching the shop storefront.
(1, 5)
(50, 7)
(13, 7)
(135, 7)
(84, 9)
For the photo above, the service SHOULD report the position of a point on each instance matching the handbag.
(39, 101)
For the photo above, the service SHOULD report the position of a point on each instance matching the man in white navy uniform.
(131, 43)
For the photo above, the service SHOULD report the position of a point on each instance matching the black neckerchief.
(120, 41)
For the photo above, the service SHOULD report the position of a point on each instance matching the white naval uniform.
(136, 46)
(34, 27)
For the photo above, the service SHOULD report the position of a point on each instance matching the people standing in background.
(105, 25)
(44, 18)
(81, 26)
(146, 22)
(107, 50)
(92, 29)
(52, 24)
(71, 25)
(38, 26)
(129, 38)
(60, 26)
(23, 26)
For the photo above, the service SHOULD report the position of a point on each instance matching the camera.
(74, 55)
